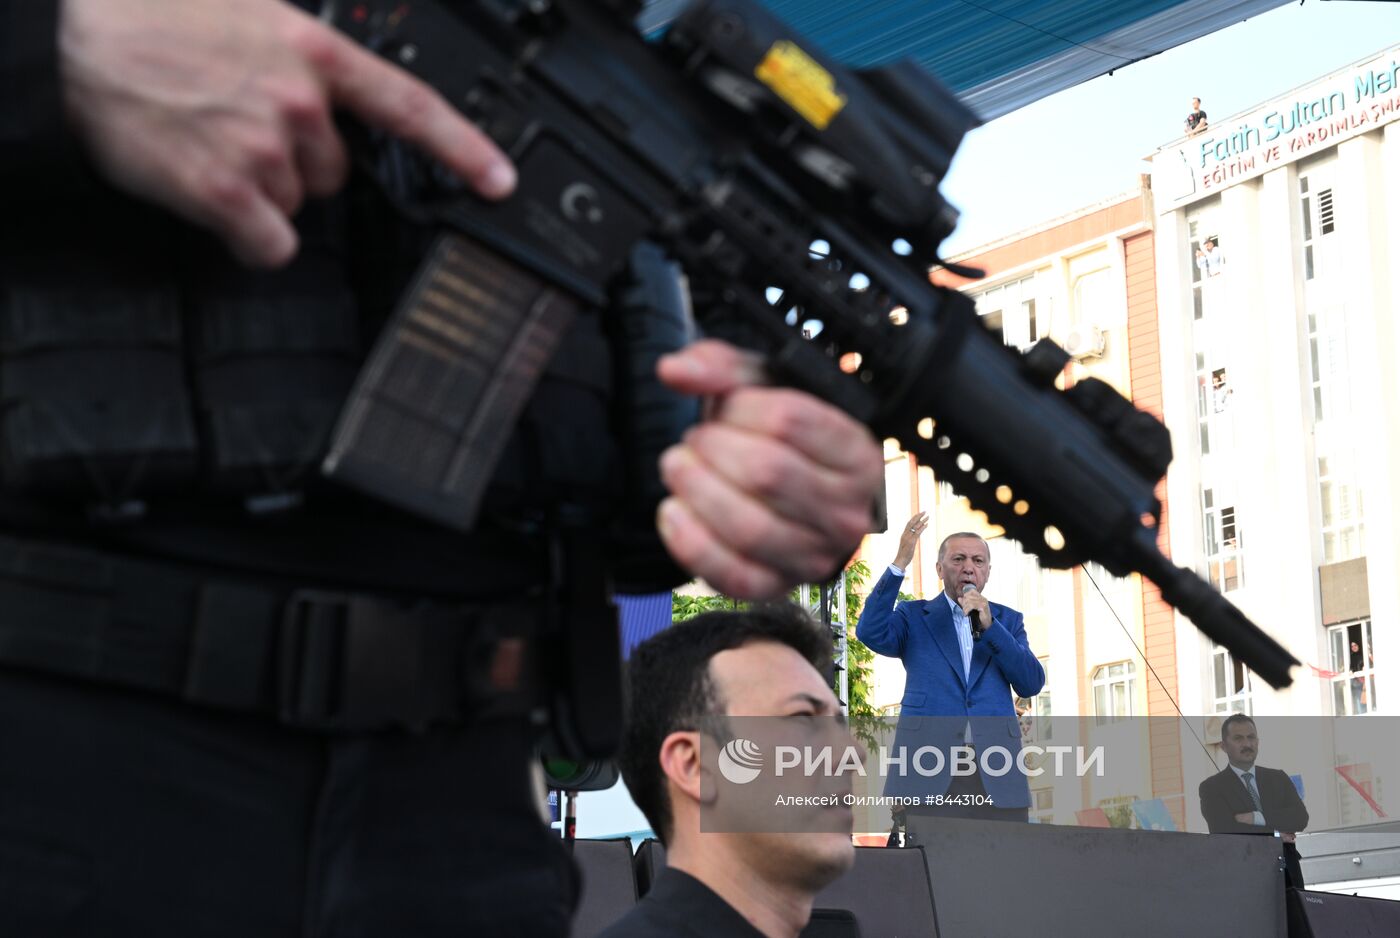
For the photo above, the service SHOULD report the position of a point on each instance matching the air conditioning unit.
(1085, 342)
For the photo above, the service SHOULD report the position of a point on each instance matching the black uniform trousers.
(126, 814)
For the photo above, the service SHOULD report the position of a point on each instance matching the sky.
(1087, 143)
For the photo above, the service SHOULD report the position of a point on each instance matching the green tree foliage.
(688, 607)
(861, 713)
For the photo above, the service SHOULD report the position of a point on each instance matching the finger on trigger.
(392, 100)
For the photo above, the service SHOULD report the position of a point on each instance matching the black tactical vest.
(156, 395)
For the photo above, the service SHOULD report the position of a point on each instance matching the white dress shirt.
(1239, 773)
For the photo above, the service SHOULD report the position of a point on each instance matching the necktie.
(1253, 792)
(965, 645)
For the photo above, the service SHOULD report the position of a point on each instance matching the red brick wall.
(1159, 624)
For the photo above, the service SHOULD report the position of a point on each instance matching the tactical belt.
(310, 658)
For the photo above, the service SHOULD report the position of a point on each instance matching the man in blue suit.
(962, 658)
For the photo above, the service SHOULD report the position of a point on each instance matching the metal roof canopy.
(998, 55)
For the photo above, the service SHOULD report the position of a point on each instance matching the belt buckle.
(356, 663)
(311, 659)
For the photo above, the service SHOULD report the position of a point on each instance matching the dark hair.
(1232, 719)
(670, 689)
(943, 547)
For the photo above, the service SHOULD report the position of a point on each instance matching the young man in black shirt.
(1196, 120)
(688, 681)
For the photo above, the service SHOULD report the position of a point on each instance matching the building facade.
(1283, 394)
(1275, 258)
(1246, 296)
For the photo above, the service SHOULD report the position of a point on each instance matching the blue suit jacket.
(939, 700)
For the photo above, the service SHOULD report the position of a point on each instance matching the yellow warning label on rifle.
(800, 80)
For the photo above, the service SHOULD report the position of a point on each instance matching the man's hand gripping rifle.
(791, 190)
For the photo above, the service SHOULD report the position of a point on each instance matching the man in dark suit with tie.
(1246, 798)
(962, 656)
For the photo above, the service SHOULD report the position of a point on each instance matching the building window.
(1016, 311)
(1339, 495)
(1113, 692)
(1213, 388)
(1354, 683)
(1045, 727)
(1220, 391)
(1213, 396)
(1328, 361)
(1043, 806)
(1223, 543)
(1319, 220)
(1035, 713)
(1343, 532)
(1093, 298)
(1230, 682)
(1198, 306)
(1315, 365)
(1326, 222)
(1210, 257)
(1207, 262)
(1203, 405)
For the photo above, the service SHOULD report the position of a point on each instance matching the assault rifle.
(794, 192)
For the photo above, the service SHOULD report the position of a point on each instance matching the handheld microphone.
(974, 618)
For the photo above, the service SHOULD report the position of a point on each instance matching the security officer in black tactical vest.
(237, 698)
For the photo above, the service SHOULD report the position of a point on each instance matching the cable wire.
(1142, 654)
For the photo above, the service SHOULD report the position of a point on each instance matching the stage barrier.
(994, 878)
(983, 878)
(1329, 915)
(609, 889)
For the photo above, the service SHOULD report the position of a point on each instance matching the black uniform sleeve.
(36, 150)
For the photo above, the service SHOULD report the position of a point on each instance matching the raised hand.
(910, 540)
